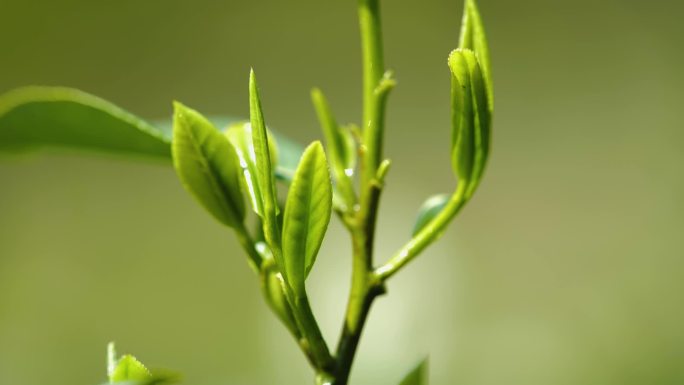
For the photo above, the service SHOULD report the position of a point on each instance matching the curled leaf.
(274, 290)
(483, 119)
(471, 118)
(462, 117)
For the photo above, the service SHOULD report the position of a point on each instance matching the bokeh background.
(567, 267)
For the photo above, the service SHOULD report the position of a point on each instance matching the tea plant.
(235, 173)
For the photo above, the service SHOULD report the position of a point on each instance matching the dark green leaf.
(307, 213)
(33, 117)
(430, 208)
(207, 165)
(482, 120)
(418, 376)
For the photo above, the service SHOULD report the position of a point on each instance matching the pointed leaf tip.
(474, 37)
(265, 172)
(417, 376)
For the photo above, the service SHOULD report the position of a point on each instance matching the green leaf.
(207, 165)
(33, 117)
(417, 376)
(129, 368)
(471, 118)
(37, 117)
(430, 208)
(462, 117)
(265, 176)
(240, 136)
(340, 146)
(307, 213)
(483, 120)
(473, 37)
(288, 150)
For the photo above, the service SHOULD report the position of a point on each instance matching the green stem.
(305, 330)
(373, 70)
(430, 233)
(313, 339)
(364, 287)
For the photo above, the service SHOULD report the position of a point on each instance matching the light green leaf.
(207, 165)
(34, 117)
(307, 213)
(462, 117)
(430, 208)
(265, 176)
(240, 136)
(418, 376)
(129, 368)
(340, 146)
(473, 37)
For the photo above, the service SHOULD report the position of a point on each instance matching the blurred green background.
(566, 268)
